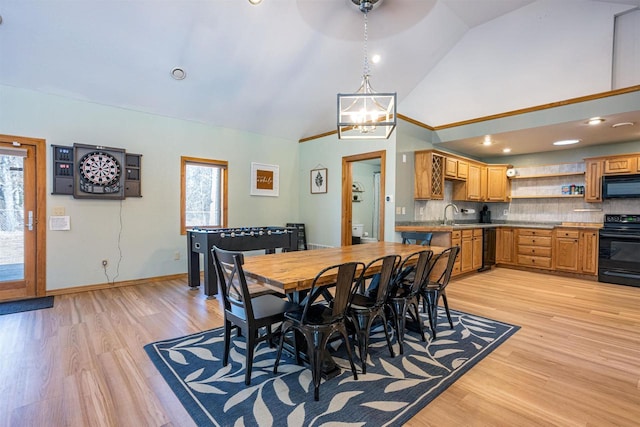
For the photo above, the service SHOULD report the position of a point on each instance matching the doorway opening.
(353, 194)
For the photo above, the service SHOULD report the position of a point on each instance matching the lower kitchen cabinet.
(456, 240)
(566, 250)
(471, 250)
(505, 245)
(534, 248)
(589, 251)
(576, 251)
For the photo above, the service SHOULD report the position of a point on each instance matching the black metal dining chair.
(416, 238)
(249, 314)
(435, 286)
(318, 320)
(404, 293)
(366, 308)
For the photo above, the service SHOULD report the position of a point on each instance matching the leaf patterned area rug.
(392, 391)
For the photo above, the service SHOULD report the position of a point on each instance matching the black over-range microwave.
(621, 186)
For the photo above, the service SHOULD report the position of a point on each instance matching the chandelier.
(366, 114)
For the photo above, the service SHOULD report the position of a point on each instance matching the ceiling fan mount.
(366, 5)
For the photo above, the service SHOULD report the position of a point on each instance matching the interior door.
(19, 219)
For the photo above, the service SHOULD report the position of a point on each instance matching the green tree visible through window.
(204, 193)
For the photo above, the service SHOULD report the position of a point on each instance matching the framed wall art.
(318, 180)
(265, 179)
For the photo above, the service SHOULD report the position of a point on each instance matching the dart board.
(99, 173)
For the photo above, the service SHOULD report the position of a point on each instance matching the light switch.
(57, 211)
(398, 210)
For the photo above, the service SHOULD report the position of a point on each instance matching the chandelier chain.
(366, 56)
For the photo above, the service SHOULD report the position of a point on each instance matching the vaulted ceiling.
(271, 69)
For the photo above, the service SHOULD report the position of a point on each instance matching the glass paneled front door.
(17, 221)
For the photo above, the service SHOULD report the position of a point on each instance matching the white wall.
(150, 225)
(564, 45)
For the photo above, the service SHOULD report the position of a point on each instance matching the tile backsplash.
(526, 210)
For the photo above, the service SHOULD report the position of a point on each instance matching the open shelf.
(549, 175)
(550, 196)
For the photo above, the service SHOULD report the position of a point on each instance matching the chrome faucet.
(455, 210)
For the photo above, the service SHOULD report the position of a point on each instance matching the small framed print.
(265, 180)
(318, 181)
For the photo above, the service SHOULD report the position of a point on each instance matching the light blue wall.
(322, 213)
(150, 234)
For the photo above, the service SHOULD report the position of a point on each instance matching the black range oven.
(619, 253)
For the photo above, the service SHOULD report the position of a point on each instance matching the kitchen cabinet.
(471, 250)
(456, 240)
(428, 175)
(566, 250)
(471, 189)
(620, 165)
(456, 168)
(593, 181)
(505, 245)
(534, 248)
(497, 184)
(576, 251)
(589, 251)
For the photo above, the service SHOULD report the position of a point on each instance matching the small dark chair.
(318, 321)
(416, 238)
(365, 309)
(404, 293)
(434, 286)
(247, 313)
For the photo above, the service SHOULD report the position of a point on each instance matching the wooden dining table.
(292, 272)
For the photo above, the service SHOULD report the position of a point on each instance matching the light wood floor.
(575, 362)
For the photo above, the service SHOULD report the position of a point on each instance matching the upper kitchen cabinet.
(498, 185)
(456, 168)
(597, 167)
(429, 175)
(620, 165)
(593, 181)
(471, 188)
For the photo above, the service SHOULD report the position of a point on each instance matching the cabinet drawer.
(534, 241)
(534, 250)
(467, 234)
(534, 261)
(456, 234)
(477, 232)
(534, 232)
(572, 234)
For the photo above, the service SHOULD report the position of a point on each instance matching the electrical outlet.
(505, 212)
(176, 256)
(104, 262)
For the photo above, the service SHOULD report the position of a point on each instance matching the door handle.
(29, 224)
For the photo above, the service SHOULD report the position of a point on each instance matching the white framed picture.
(318, 181)
(265, 179)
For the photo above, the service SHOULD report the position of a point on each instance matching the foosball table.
(202, 240)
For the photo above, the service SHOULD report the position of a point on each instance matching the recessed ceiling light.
(506, 150)
(595, 120)
(617, 125)
(254, 2)
(178, 73)
(375, 58)
(567, 142)
(487, 140)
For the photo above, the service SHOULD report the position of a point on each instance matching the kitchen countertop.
(432, 226)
